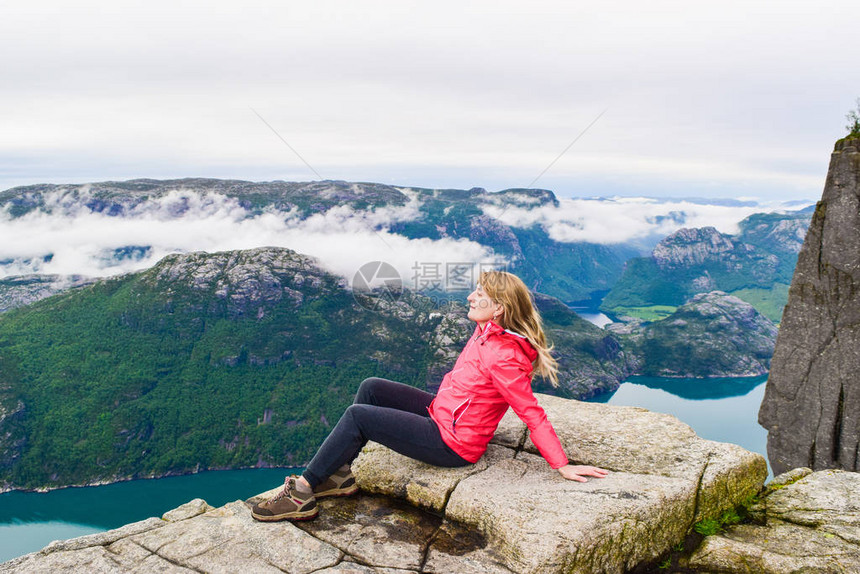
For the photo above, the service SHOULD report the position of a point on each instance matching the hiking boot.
(341, 483)
(288, 504)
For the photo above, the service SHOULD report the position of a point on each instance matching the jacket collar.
(490, 329)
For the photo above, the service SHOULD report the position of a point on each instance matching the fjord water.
(31, 520)
(718, 409)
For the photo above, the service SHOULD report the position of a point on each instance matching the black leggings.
(390, 413)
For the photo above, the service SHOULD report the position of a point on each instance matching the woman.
(493, 372)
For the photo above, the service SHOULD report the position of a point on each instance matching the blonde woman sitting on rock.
(452, 428)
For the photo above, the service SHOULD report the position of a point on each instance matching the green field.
(768, 302)
(649, 313)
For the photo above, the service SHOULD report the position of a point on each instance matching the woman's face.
(482, 308)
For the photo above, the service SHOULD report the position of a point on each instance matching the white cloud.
(82, 242)
(622, 219)
(67, 237)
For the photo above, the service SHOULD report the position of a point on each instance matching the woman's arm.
(513, 382)
(511, 378)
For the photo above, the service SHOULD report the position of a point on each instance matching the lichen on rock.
(807, 522)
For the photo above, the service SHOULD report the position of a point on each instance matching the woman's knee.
(350, 411)
(366, 389)
(350, 418)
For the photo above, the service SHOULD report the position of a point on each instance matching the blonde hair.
(521, 316)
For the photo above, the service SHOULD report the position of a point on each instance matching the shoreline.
(106, 482)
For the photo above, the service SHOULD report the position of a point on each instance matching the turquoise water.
(31, 520)
(718, 409)
(724, 410)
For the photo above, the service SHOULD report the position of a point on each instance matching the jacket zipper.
(455, 418)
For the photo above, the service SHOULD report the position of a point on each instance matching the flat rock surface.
(510, 512)
(663, 479)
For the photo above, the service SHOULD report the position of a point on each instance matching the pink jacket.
(492, 373)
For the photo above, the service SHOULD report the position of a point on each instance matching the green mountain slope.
(203, 361)
(222, 360)
(712, 335)
(755, 265)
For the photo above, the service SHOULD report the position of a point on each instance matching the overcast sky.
(709, 99)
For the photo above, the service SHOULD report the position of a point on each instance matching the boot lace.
(289, 484)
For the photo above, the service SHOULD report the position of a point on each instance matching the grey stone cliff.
(693, 246)
(509, 512)
(811, 406)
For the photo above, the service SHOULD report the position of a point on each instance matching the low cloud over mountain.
(96, 230)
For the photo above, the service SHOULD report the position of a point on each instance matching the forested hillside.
(232, 359)
(185, 366)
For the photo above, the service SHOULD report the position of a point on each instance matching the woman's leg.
(413, 435)
(394, 395)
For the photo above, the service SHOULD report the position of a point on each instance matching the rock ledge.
(805, 522)
(508, 513)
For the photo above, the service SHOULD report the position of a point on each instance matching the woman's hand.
(578, 473)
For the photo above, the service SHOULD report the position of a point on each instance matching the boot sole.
(291, 516)
(348, 491)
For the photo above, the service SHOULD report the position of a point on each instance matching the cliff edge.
(507, 513)
(811, 406)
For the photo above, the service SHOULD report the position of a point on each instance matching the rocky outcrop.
(804, 522)
(755, 265)
(712, 335)
(811, 406)
(777, 233)
(508, 513)
(22, 290)
(246, 283)
(191, 538)
(663, 480)
(487, 230)
(692, 246)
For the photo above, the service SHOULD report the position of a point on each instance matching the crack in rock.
(425, 552)
(699, 493)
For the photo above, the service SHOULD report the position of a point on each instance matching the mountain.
(226, 360)
(122, 198)
(570, 271)
(712, 335)
(755, 265)
(18, 291)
